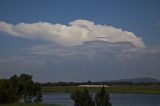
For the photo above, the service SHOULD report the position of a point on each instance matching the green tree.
(83, 98)
(17, 88)
(76, 97)
(37, 92)
(14, 81)
(6, 92)
(26, 86)
(102, 99)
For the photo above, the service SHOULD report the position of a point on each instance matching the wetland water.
(116, 99)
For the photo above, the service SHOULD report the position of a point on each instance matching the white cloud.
(75, 33)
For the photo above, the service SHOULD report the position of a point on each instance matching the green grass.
(111, 89)
(28, 104)
(59, 88)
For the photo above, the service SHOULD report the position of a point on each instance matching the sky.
(80, 40)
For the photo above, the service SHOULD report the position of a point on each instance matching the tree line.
(84, 98)
(19, 89)
(100, 83)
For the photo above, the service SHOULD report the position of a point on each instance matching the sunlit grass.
(111, 89)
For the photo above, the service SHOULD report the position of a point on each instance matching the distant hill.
(137, 80)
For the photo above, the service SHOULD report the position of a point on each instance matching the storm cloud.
(78, 51)
(73, 34)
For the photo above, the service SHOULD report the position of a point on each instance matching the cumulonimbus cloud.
(75, 33)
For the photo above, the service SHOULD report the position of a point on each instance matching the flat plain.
(111, 89)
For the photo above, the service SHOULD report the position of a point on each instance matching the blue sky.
(49, 58)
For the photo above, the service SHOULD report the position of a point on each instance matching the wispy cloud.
(97, 57)
(75, 33)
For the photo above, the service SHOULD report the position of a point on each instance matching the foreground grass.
(111, 89)
(28, 104)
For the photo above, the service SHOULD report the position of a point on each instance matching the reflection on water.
(58, 98)
(116, 99)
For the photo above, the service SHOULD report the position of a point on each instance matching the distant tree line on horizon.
(99, 83)
(19, 89)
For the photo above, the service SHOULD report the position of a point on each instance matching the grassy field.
(111, 89)
(28, 104)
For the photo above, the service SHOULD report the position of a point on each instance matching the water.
(58, 98)
(135, 99)
(116, 99)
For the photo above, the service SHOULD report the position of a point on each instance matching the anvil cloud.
(75, 33)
